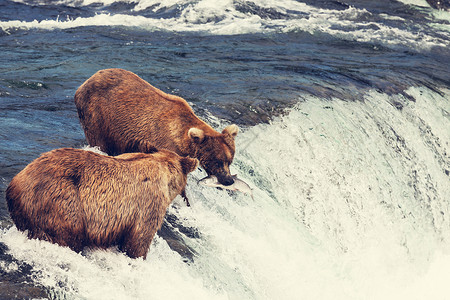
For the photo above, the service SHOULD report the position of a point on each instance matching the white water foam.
(438, 14)
(223, 18)
(420, 3)
(350, 202)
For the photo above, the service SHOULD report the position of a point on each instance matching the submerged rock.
(172, 232)
(15, 282)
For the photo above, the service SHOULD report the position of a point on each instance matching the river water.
(345, 140)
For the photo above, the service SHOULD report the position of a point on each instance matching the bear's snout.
(225, 179)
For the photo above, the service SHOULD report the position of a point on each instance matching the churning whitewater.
(245, 17)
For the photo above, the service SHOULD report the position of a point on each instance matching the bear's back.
(118, 85)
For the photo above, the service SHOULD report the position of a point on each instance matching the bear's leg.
(64, 222)
(183, 194)
(137, 244)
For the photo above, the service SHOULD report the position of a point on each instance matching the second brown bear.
(78, 198)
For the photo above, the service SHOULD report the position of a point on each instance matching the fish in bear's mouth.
(238, 185)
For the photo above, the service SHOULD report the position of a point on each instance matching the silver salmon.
(238, 185)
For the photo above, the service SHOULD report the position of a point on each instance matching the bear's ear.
(188, 164)
(232, 130)
(197, 135)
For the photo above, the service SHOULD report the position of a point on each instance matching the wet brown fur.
(78, 198)
(121, 112)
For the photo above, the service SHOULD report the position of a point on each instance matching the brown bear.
(120, 112)
(78, 198)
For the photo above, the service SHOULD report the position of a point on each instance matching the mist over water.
(344, 115)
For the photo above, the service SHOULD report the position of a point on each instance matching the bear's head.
(215, 153)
